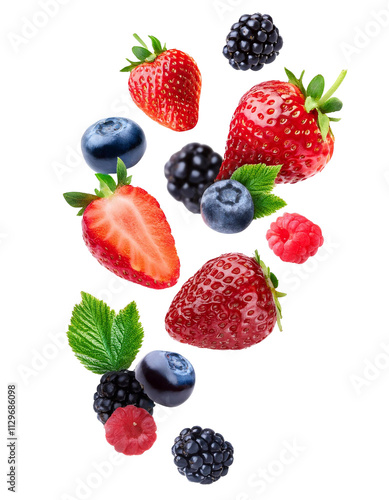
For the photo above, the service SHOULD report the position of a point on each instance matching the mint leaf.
(266, 204)
(101, 340)
(257, 178)
(127, 336)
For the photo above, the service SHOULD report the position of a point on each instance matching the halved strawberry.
(127, 232)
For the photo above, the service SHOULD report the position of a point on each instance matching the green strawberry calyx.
(314, 98)
(272, 283)
(107, 188)
(143, 54)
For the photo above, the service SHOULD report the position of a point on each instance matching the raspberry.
(294, 238)
(131, 430)
(202, 455)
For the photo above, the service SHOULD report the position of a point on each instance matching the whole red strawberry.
(166, 85)
(126, 230)
(280, 123)
(230, 303)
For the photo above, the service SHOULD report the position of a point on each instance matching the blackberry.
(119, 389)
(252, 42)
(202, 455)
(190, 171)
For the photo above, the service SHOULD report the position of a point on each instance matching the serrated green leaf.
(324, 124)
(77, 200)
(89, 333)
(257, 178)
(316, 87)
(141, 53)
(332, 105)
(310, 104)
(127, 336)
(102, 341)
(121, 171)
(106, 181)
(266, 204)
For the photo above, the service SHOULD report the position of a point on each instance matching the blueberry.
(227, 207)
(167, 377)
(110, 138)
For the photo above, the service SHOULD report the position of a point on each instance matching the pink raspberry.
(294, 238)
(131, 430)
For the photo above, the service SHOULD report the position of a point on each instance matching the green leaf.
(129, 179)
(296, 81)
(133, 65)
(310, 104)
(141, 53)
(266, 204)
(157, 47)
(127, 336)
(274, 279)
(107, 184)
(138, 39)
(334, 119)
(102, 341)
(257, 178)
(324, 124)
(79, 199)
(316, 87)
(121, 171)
(332, 105)
(89, 334)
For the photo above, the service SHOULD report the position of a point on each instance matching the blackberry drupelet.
(190, 171)
(119, 389)
(252, 42)
(202, 455)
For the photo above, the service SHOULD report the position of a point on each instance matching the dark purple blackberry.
(190, 171)
(202, 455)
(118, 389)
(252, 42)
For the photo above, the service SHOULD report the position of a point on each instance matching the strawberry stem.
(333, 89)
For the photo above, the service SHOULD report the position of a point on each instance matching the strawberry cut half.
(126, 230)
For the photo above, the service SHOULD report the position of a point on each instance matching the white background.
(314, 386)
